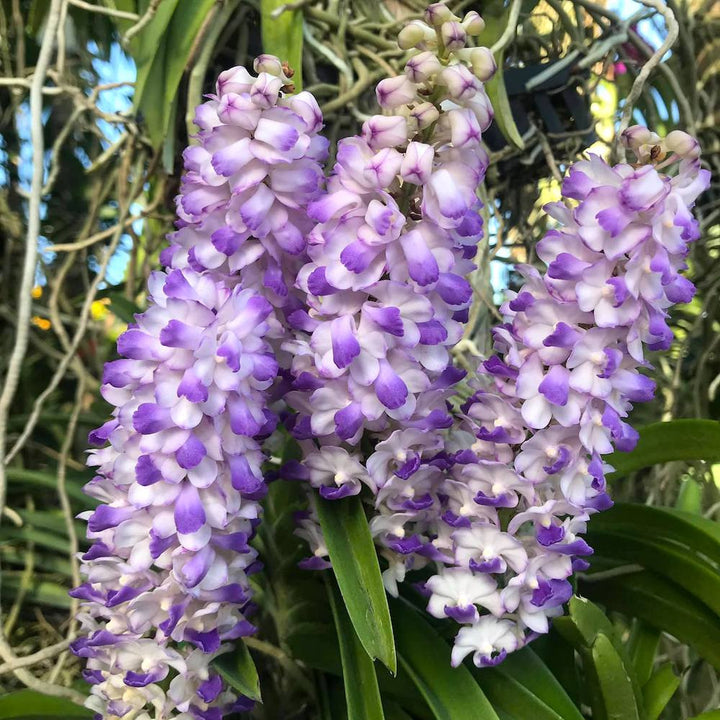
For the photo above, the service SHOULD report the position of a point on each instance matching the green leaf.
(148, 49)
(496, 19)
(679, 564)
(711, 715)
(642, 647)
(583, 624)
(315, 644)
(523, 684)
(39, 592)
(31, 704)
(583, 627)
(361, 686)
(667, 441)
(238, 670)
(393, 711)
(282, 36)
(658, 690)
(661, 604)
(355, 564)
(451, 693)
(616, 687)
(692, 531)
(690, 496)
(47, 480)
(122, 307)
(497, 93)
(162, 51)
(559, 657)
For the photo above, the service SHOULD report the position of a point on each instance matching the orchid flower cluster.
(180, 482)
(332, 306)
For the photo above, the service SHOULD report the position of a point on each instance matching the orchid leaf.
(687, 529)
(451, 693)
(642, 647)
(362, 694)
(32, 704)
(238, 670)
(659, 689)
(661, 604)
(663, 442)
(616, 687)
(355, 564)
(282, 35)
(524, 685)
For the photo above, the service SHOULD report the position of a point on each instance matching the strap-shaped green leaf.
(662, 604)
(393, 711)
(362, 695)
(496, 18)
(238, 670)
(32, 704)
(688, 529)
(451, 693)
(497, 93)
(524, 686)
(642, 646)
(355, 564)
(583, 623)
(676, 562)
(282, 35)
(667, 441)
(616, 687)
(658, 690)
(161, 52)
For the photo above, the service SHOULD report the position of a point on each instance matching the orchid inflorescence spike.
(336, 302)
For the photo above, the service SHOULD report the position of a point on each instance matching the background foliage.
(115, 83)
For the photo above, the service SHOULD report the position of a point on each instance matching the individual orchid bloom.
(456, 593)
(484, 548)
(336, 473)
(489, 641)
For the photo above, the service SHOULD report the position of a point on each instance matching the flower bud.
(681, 143)
(461, 84)
(417, 163)
(439, 13)
(415, 34)
(394, 92)
(235, 80)
(269, 64)
(422, 67)
(425, 114)
(645, 144)
(637, 135)
(483, 109)
(453, 35)
(483, 63)
(473, 23)
(265, 90)
(464, 127)
(383, 131)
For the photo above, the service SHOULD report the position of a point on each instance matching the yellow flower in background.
(36, 292)
(100, 309)
(42, 323)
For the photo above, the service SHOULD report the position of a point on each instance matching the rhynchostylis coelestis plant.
(333, 304)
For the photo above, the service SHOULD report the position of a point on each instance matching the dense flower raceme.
(179, 483)
(502, 516)
(385, 284)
